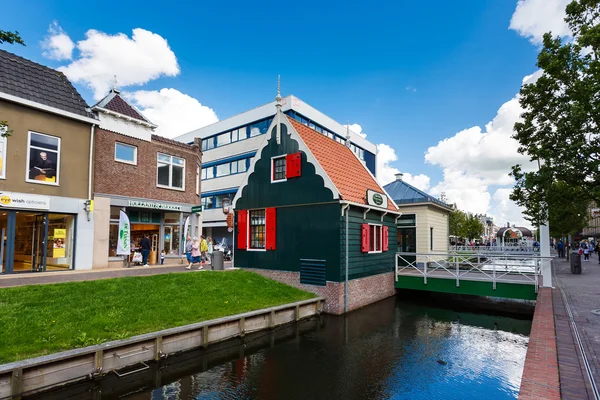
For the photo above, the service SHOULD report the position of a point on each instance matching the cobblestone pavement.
(583, 294)
(39, 278)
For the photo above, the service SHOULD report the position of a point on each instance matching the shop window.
(125, 153)
(171, 218)
(171, 172)
(115, 213)
(257, 229)
(278, 169)
(3, 155)
(43, 159)
(113, 238)
(171, 240)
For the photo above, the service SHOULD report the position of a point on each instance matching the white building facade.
(229, 146)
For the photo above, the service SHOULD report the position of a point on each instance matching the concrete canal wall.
(361, 292)
(540, 375)
(46, 372)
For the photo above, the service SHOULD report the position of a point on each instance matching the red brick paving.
(540, 376)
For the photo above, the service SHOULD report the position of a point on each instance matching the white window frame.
(135, 149)
(273, 169)
(248, 241)
(4, 145)
(57, 183)
(380, 226)
(170, 163)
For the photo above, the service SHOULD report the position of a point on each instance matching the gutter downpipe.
(346, 207)
(90, 166)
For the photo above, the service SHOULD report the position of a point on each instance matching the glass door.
(407, 243)
(40, 234)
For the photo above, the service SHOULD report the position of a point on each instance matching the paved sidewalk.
(583, 295)
(40, 278)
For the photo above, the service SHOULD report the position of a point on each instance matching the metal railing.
(472, 266)
(498, 249)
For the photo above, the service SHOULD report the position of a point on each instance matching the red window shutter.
(242, 229)
(293, 165)
(365, 238)
(385, 238)
(271, 228)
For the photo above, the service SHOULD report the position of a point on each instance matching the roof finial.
(278, 98)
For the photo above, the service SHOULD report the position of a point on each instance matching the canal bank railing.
(130, 356)
(517, 249)
(473, 266)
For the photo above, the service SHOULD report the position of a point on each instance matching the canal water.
(394, 349)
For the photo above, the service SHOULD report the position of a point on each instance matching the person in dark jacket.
(145, 245)
(42, 167)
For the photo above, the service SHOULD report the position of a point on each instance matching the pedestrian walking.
(145, 245)
(597, 250)
(203, 249)
(560, 247)
(188, 249)
(196, 255)
(162, 257)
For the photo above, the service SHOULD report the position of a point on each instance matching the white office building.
(229, 145)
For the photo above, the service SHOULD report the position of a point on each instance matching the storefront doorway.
(407, 237)
(36, 242)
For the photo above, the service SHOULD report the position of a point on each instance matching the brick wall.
(117, 178)
(361, 292)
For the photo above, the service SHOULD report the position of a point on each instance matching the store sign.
(377, 199)
(196, 209)
(595, 212)
(151, 204)
(23, 200)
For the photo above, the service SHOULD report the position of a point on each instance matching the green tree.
(473, 228)
(457, 222)
(567, 213)
(11, 38)
(560, 127)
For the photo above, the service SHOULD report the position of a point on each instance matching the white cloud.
(420, 181)
(174, 112)
(484, 154)
(57, 44)
(356, 128)
(533, 18)
(386, 173)
(468, 192)
(135, 61)
(505, 210)
(411, 89)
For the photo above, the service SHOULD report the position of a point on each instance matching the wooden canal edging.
(46, 372)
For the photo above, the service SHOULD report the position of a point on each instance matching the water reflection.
(391, 350)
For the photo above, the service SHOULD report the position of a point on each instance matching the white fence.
(498, 249)
(523, 268)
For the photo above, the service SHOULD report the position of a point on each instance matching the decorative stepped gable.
(340, 171)
(119, 116)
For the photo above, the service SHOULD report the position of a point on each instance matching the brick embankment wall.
(361, 292)
(540, 375)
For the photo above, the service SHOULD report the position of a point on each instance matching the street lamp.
(226, 206)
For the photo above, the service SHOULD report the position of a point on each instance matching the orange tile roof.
(346, 171)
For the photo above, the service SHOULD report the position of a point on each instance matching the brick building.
(155, 180)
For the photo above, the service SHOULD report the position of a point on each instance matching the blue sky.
(410, 73)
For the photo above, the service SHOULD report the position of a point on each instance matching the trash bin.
(575, 262)
(217, 260)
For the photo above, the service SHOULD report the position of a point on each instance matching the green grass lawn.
(42, 319)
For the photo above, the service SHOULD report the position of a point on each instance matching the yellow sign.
(5, 200)
(60, 234)
(58, 252)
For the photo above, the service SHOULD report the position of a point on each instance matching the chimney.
(399, 176)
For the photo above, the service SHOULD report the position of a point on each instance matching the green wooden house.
(310, 214)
